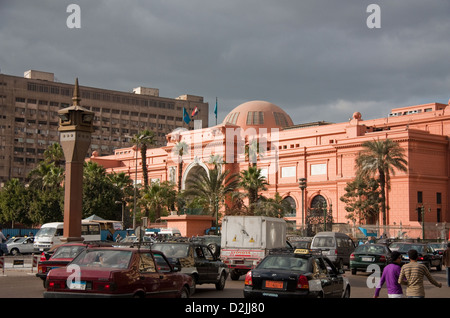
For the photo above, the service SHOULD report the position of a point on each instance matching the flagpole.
(215, 111)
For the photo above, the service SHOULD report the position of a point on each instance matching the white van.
(51, 233)
(169, 232)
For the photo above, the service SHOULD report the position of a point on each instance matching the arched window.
(318, 204)
(291, 202)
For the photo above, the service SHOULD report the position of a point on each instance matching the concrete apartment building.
(29, 117)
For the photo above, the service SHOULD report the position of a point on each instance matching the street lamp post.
(302, 186)
(75, 136)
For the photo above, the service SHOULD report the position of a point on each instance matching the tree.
(212, 187)
(124, 184)
(159, 199)
(381, 158)
(362, 198)
(180, 148)
(54, 153)
(274, 207)
(253, 182)
(14, 203)
(143, 141)
(46, 190)
(99, 193)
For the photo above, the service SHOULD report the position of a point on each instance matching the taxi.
(299, 273)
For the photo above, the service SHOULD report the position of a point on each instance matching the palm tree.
(158, 198)
(381, 158)
(124, 184)
(54, 153)
(211, 187)
(180, 148)
(253, 182)
(274, 207)
(144, 140)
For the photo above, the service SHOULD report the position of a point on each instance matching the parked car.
(427, 255)
(118, 272)
(59, 257)
(336, 246)
(212, 241)
(133, 240)
(302, 273)
(20, 245)
(196, 260)
(439, 247)
(367, 254)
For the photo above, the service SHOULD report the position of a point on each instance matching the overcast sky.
(316, 59)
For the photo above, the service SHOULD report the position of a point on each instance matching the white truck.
(246, 240)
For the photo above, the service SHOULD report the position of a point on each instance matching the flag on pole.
(215, 110)
(194, 112)
(186, 117)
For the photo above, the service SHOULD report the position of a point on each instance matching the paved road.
(21, 282)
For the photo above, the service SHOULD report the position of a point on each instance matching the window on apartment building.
(438, 215)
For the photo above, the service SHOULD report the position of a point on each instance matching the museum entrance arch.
(192, 169)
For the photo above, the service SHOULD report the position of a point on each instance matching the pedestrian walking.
(412, 275)
(446, 262)
(390, 276)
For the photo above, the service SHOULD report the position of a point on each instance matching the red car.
(62, 255)
(118, 272)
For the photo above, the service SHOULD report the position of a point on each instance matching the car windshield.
(324, 241)
(67, 251)
(300, 244)
(406, 247)
(438, 246)
(46, 231)
(370, 249)
(172, 250)
(284, 262)
(103, 258)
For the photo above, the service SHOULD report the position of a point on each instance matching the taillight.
(248, 279)
(382, 258)
(352, 257)
(302, 282)
(420, 258)
(105, 286)
(52, 285)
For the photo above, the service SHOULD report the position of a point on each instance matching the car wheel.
(220, 285)
(184, 292)
(439, 267)
(354, 271)
(15, 251)
(346, 293)
(234, 275)
(340, 264)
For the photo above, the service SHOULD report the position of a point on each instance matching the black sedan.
(300, 273)
(427, 255)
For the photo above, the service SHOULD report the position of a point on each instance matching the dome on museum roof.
(258, 114)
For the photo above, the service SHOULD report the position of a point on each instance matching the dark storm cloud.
(318, 60)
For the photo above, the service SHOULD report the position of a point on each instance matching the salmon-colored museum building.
(321, 152)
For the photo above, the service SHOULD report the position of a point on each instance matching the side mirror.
(176, 268)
